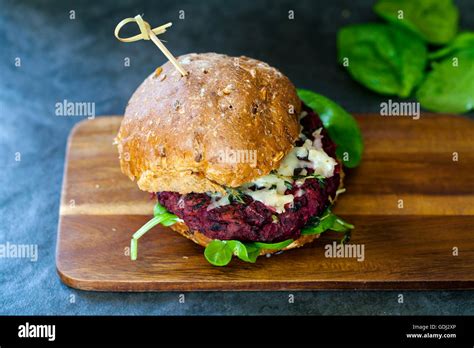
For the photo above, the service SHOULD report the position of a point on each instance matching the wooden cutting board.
(406, 161)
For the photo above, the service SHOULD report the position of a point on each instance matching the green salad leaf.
(273, 246)
(327, 221)
(340, 125)
(158, 209)
(385, 58)
(161, 216)
(390, 59)
(449, 87)
(245, 252)
(463, 41)
(436, 21)
(219, 252)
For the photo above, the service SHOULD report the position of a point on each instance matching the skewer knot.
(144, 27)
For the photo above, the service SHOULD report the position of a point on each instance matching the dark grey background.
(80, 60)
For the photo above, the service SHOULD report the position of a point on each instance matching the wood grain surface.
(405, 248)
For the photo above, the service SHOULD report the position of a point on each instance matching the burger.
(238, 160)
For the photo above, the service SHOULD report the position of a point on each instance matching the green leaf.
(169, 219)
(384, 58)
(274, 246)
(141, 231)
(148, 226)
(247, 253)
(159, 209)
(436, 21)
(322, 224)
(449, 87)
(161, 216)
(462, 41)
(340, 125)
(344, 224)
(253, 252)
(218, 253)
(327, 221)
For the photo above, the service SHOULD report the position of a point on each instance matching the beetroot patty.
(254, 221)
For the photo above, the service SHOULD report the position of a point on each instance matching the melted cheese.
(270, 189)
(218, 200)
(268, 181)
(288, 164)
(317, 159)
(322, 163)
(318, 139)
(271, 198)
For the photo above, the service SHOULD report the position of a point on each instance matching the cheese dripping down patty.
(270, 189)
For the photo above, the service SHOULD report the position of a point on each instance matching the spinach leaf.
(161, 216)
(169, 219)
(327, 221)
(449, 87)
(463, 41)
(274, 246)
(218, 253)
(385, 58)
(166, 218)
(247, 253)
(340, 125)
(158, 209)
(436, 21)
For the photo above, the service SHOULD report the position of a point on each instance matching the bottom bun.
(199, 238)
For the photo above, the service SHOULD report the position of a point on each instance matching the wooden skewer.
(167, 53)
(146, 33)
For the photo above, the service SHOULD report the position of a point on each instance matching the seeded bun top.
(201, 132)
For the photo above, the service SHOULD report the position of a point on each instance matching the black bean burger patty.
(252, 220)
